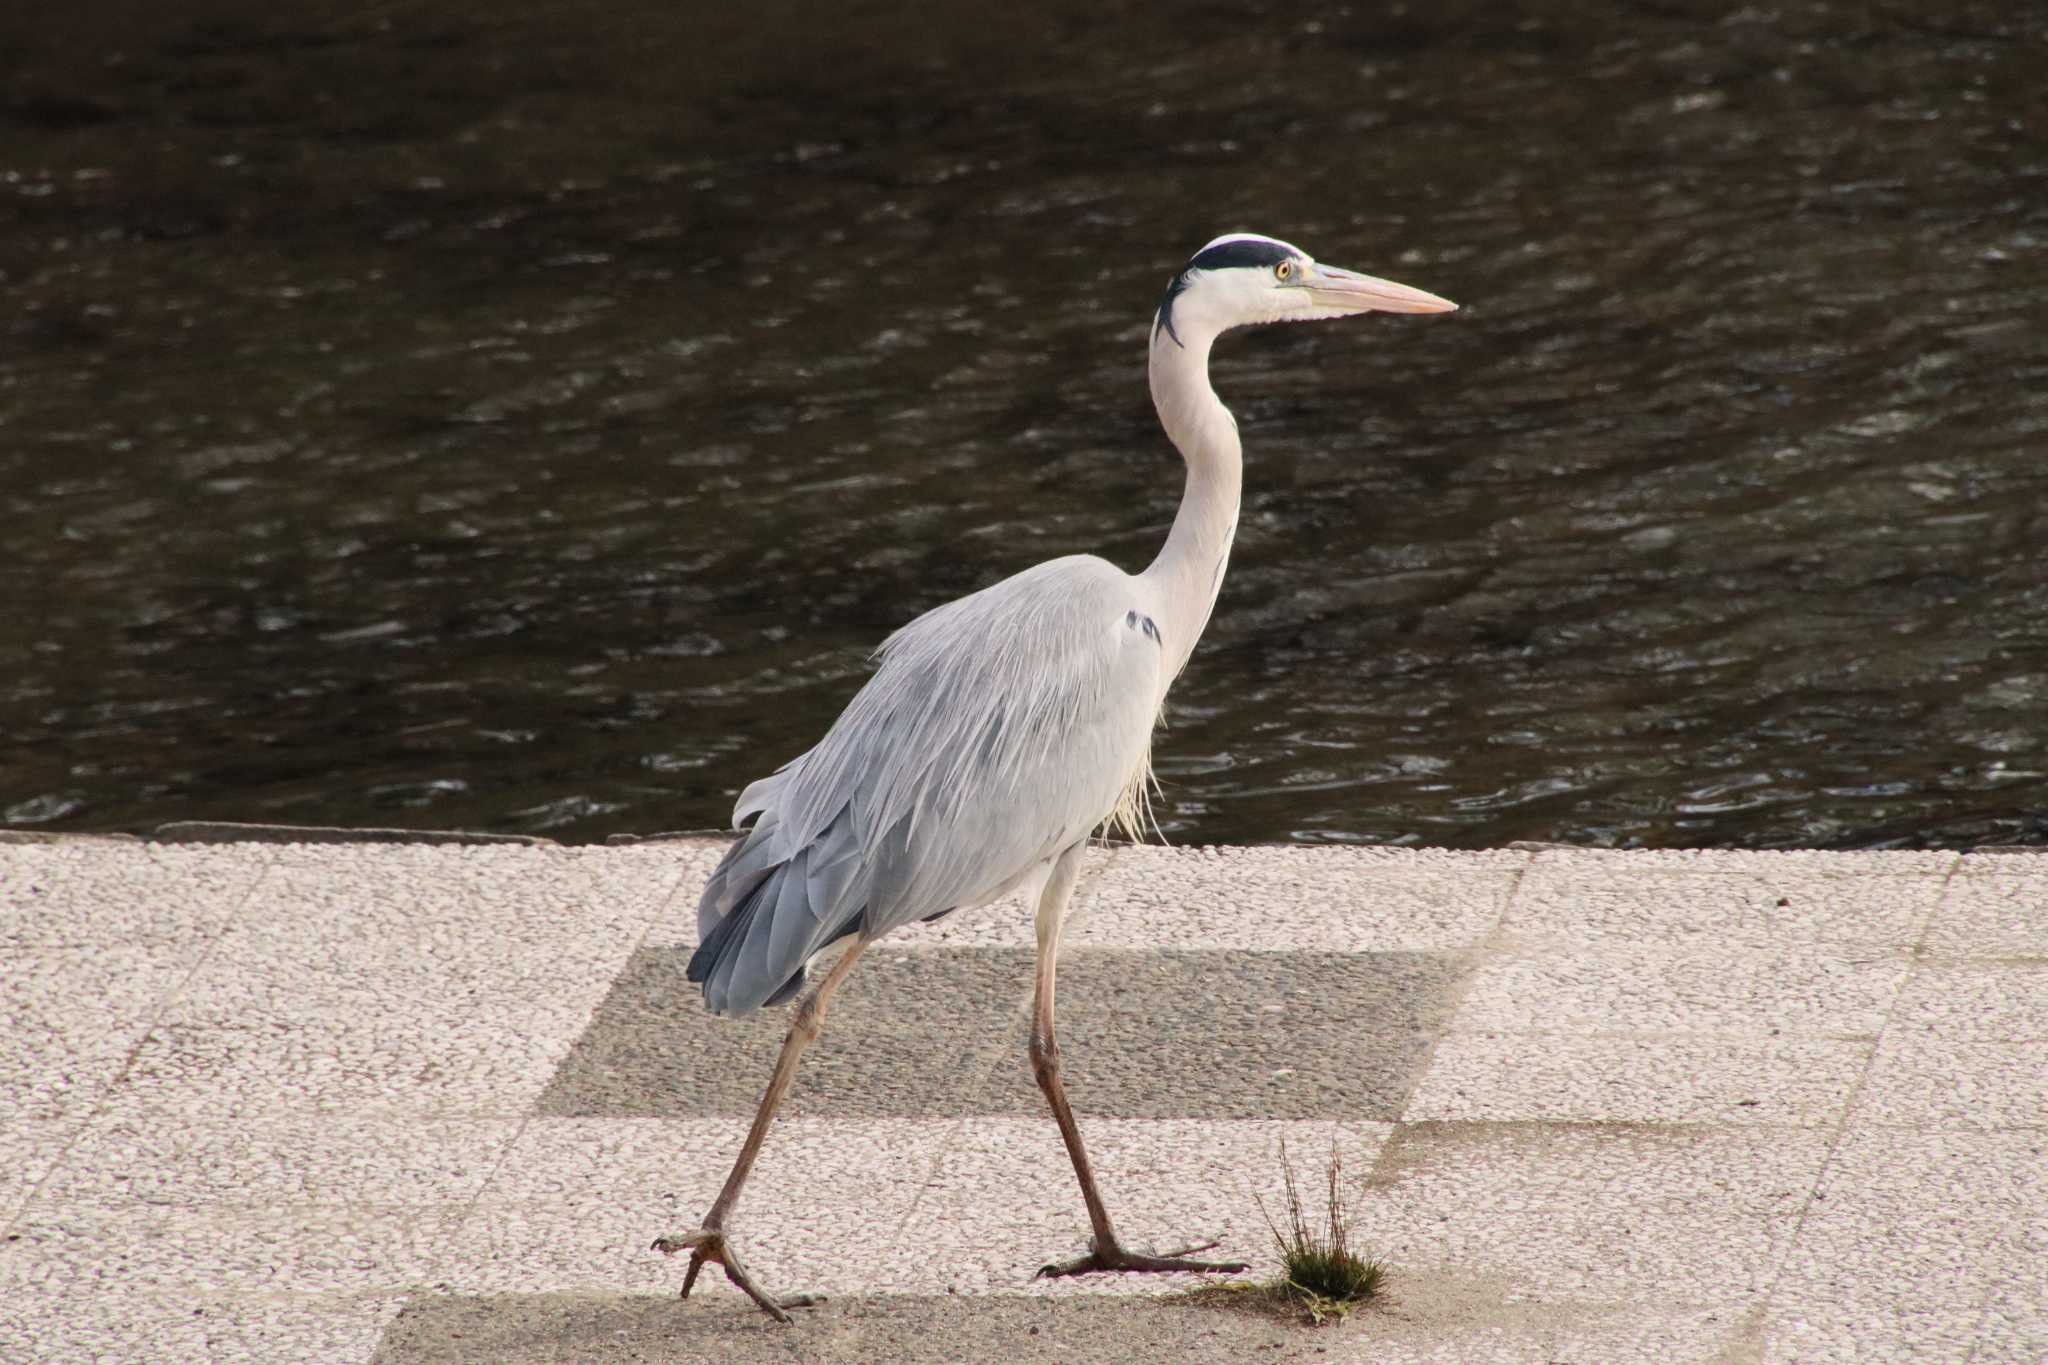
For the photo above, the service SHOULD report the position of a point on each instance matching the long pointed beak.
(1332, 287)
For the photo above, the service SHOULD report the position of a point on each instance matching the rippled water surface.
(527, 417)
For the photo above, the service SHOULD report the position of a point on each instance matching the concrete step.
(349, 1100)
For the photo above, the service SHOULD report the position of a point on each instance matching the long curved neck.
(1188, 572)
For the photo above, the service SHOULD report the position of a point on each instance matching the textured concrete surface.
(350, 1101)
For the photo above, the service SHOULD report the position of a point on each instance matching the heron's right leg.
(1105, 1251)
(710, 1241)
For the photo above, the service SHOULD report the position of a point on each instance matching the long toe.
(1115, 1258)
(711, 1244)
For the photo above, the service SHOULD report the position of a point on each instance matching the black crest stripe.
(1174, 287)
(1233, 255)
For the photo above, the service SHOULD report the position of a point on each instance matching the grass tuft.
(1319, 1265)
(1321, 1268)
(1321, 1275)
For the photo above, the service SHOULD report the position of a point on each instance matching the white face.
(1243, 279)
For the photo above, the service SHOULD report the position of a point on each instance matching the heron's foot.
(1114, 1257)
(711, 1244)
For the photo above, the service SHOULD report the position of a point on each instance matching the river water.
(526, 417)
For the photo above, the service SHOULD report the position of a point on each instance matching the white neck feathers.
(1188, 572)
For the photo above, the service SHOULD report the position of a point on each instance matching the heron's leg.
(1106, 1253)
(710, 1242)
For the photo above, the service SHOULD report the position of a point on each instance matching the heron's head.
(1244, 278)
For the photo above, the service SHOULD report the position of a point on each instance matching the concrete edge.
(236, 832)
(255, 832)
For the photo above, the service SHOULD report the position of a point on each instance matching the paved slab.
(351, 1101)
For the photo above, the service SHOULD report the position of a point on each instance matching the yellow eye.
(1284, 271)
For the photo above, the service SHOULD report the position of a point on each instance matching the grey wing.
(998, 730)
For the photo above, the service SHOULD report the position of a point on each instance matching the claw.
(710, 1244)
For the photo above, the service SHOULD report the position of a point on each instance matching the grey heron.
(998, 732)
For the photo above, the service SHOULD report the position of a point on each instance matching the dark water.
(526, 417)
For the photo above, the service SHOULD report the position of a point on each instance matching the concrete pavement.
(397, 1102)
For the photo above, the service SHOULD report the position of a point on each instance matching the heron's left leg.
(1107, 1252)
(710, 1241)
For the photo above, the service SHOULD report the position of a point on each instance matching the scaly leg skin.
(1106, 1252)
(711, 1244)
